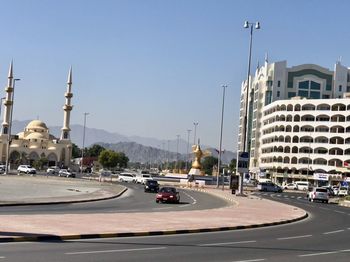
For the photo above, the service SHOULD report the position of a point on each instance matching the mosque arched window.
(65, 135)
(5, 130)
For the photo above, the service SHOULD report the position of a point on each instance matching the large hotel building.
(298, 122)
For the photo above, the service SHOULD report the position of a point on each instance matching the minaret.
(67, 108)
(8, 102)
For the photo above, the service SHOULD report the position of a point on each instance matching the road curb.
(66, 201)
(43, 238)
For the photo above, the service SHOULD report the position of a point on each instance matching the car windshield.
(321, 190)
(152, 182)
(168, 190)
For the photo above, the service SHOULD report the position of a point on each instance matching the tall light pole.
(188, 145)
(177, 151)
(82, 151)
(245, 123)
(10, 126)
(221, 127)
(167, 159)
(195, 132)
(308, 161)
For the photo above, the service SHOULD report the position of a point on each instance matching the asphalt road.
(324, 236)
(133, 200)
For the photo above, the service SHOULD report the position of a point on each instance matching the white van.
(141, 178)
(302, 185)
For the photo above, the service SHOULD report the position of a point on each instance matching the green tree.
(94, 150)
(232, 165)
(208, 163)
(111, 159)
(76, 152)
(40, 163)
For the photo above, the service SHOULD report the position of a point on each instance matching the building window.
(325, 96)
(315, 86)
(278, 93)
(268, 97)
(291, 94)
(278, 83)
(303, 93)
(5, 130)
(304, 85)
(314, 95)
(340, 88)
(65, 135)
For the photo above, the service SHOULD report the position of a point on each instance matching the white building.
(35, 141)
(298, 120)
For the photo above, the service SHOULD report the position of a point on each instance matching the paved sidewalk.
(244, 212)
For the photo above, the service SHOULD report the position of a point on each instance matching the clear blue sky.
(153, 67)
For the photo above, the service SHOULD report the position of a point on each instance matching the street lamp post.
(308, 161)
(221, 127)
(82, 152)
(177, 152)
(245, 123)
(188, 145)
(195, 132)
(9, 129)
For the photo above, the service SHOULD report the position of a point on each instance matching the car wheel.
(157, 201)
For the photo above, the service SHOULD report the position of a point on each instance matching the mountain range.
(137, 148)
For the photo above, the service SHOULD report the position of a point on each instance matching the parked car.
(65, 173)
(335, 190)
(2, 169)
(343, 191)
(168, 194)
(318, 193)
(53, 170)
(269, 187)
(126, 177)
(27, 169)
(303, 185)
(151, 186)
(290, 186)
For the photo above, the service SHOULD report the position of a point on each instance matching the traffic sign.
(243, 162)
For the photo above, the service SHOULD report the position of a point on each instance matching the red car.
(168, 194)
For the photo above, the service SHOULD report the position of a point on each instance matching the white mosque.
(35, 142)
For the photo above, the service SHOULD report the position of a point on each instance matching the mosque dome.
(35, 136)
(36, 125)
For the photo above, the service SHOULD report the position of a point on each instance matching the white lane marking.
(250, 260)
(2, 257)
(193, 199)
(114, 250)
(333, 232)
(292, 196)
(325, 253)
(286, 238)
(226, 243)
(158, 208)
(340, 212)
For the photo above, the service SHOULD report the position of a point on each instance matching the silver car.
(318, 194)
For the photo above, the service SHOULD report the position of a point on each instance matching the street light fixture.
(188, 145)
(245, 123)
(177, 152)
(9, 129)
(220, 145)
(82, 152)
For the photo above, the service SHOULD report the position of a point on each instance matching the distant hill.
(138, 149)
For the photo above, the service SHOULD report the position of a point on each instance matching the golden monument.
(196, 164)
